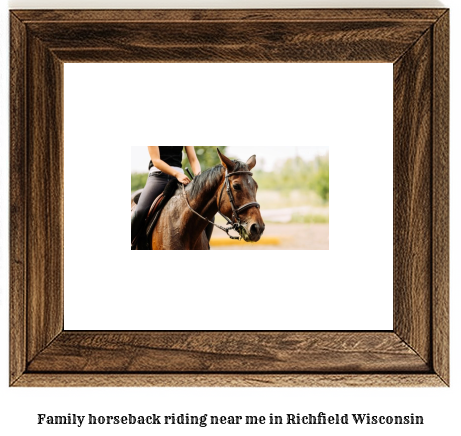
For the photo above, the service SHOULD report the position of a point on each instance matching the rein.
(237, 225)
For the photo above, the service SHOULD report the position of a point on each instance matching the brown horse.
(182, 223)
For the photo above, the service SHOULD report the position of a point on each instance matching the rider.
(164, 166)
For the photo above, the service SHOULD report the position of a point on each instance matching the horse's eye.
(237, 187)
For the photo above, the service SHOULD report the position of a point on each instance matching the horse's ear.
(251, 162)
(226, 162)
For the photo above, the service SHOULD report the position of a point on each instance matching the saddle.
(143, 238)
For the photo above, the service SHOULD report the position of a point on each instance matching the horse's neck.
(206, 204)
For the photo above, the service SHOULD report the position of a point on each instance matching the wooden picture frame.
(414, 353)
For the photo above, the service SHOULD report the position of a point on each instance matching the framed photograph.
(415, 352)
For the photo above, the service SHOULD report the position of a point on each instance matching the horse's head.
(243, 190)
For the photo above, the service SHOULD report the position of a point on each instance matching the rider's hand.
(182, 178)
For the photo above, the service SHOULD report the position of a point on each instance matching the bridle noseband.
(235, 223)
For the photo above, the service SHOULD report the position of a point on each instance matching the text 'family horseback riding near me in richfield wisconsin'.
(205, 420)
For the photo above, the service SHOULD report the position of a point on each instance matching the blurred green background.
(293, 174)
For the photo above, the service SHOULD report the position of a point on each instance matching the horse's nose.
(257, 229)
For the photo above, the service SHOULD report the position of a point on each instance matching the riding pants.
(155, 185)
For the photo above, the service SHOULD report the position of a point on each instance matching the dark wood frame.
(415, 353)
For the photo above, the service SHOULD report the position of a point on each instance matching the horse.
(182, 222)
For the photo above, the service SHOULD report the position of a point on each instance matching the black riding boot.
(135, 225)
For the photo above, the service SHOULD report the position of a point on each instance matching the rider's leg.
(155, 185)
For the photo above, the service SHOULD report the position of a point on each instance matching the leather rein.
(233, 225)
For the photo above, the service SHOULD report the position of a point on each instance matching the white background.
(19, 407)
(347, 107)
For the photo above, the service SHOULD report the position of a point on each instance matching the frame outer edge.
(229, 380)
(18, 267)
(441, 214)
(18, 195)
(204, 14)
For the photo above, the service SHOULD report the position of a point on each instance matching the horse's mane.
(210, 176)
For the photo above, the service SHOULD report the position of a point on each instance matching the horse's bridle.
(235, 223)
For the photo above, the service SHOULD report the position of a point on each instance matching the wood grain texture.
(230, 380)
(413, 196)
(229, 35)
(242, 41)
(415, 354)
(234, 352)
(18, 192)
(45, 197)
(441, 212)
(185, 15)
